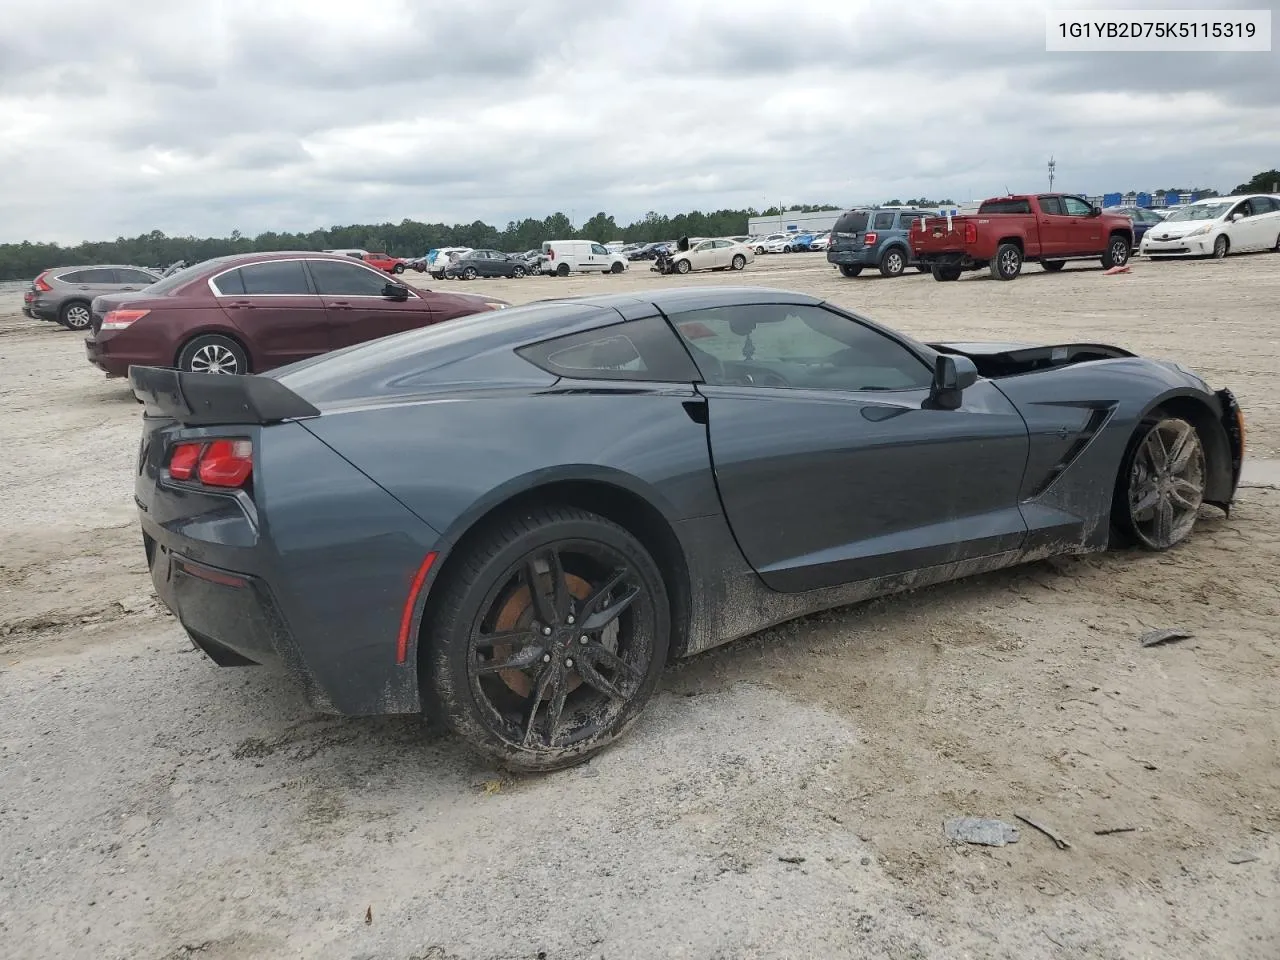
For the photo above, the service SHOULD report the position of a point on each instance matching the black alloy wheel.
(550, 638)
(1163, 483)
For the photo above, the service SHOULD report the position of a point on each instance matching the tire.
(437, 275)
(1117, 254)
(469, 273)
(1221, 246)
(212, 353)
(850, 270)
(517, 272)
(75, 315)
(893, 262)
(1276, 248)
(398, 268)
(486, 591)
(787, 249)
(1161, 483)
(683, 266)
(759, 251)
(562, 270)
(617, 267)
(739, 262)
(943, 272)
(1007, 263)
(1052, 266)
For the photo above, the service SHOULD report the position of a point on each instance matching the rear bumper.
(112, 366)
(315, 585)
(851, 258)
(948, 258)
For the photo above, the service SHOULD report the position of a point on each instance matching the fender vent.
(1096, 419)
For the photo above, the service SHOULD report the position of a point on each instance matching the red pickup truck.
(1050, 228)
(384, 261)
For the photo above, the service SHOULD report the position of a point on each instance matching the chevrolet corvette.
(512, 521)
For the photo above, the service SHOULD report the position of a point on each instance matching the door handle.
(248, 305)
(340, 305)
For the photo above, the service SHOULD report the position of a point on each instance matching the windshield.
(1199, 211)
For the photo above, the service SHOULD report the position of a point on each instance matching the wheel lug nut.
(569, 662)
(546, 658)
(569, 620)
(546, 631)
(583, 638)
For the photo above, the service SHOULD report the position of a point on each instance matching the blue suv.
(874, 237)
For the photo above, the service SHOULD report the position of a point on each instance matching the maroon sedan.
(251, 312)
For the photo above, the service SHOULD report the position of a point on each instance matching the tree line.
(408, 238)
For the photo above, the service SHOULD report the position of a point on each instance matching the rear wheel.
(212, 353)
(398, 268)
(1007, 263)
(1221, 246)
(75, 315)
(850, 270)
(942, 272)
(547, 638)
(1161, 483)
(562, 270)
(517, 272)
(1117, 254)
(893, 263)
(1052, 266)
(469, 273)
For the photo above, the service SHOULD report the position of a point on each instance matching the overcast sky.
(204, 117)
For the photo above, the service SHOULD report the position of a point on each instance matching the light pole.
(1053, 166)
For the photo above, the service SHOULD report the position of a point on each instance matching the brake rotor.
(517, 613)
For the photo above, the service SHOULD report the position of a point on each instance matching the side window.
(1052, 206)
(75, 276)
(92, 275)
(722, 244)
(905, 220)
(1243, 208)
(1265, 205)
(337, 279)
(883, 221)
(704, 245)
(1076, 207)
(599, 250)
(798, 346)
(636, 350)
(279, 277)
(229, 284)
(134, 276)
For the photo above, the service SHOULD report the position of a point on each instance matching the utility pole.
(1053, 166)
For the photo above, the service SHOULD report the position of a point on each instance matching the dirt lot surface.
(783, 797)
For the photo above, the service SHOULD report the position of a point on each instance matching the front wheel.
(398, 268)
(617, 267)
(1220, 246)
(683, 266)
(517, 272)
(759, 251)
(1161, 483)
(850, 270)
(547, 638)
(739, 262)
(469, 273)
(212, 353)
(1117, 254)
(1007, 263)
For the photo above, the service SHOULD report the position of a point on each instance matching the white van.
(562, 257)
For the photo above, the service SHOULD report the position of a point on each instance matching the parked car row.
(1050, 229)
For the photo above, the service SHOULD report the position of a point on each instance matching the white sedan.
(713, 255)
(1216, 227)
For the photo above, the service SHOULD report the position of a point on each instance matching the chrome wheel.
(214, 358)
(1119, 252)
(76, 316)
(1166, 484)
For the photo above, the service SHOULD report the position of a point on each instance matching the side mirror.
(952, 375)
(395, 291)
(1095, 211)
(1237, 216)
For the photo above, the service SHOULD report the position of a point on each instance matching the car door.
(1054, 227)
(702, 255)
(274, 306)
(357, 306)
(1268, 214)
(600, 258)
(831, 464)
(720, 252)
(1084, 231)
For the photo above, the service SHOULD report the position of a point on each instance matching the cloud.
(297, 114)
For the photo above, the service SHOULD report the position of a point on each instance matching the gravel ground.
(782, 797)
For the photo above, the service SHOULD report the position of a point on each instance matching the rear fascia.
(329, 561)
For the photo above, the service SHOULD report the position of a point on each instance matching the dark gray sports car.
(513, 520)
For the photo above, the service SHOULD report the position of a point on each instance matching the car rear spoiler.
(209, 399)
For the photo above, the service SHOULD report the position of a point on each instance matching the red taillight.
(182, 462)
(870, 238)
(218, 463)
(552, 256)
(40, 285)
(119, 319)
(970, 233)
